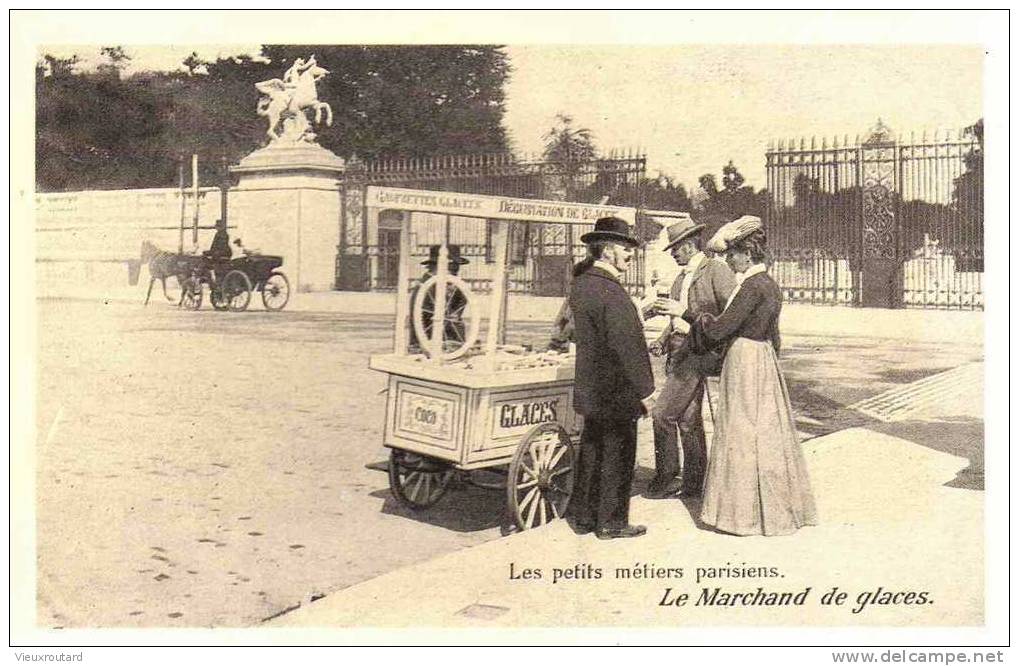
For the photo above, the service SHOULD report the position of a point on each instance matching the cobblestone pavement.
(209, 469)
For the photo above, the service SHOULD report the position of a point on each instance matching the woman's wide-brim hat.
(611, 229)
(734, 232)
(680, 231)
(453, 255)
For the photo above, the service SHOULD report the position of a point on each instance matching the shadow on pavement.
(963, 437)
(464, 507)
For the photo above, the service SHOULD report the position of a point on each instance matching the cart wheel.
(275, 291)
(541, 476)
(236, 291)
(217, 300)
(456, 339)
(191, 293)
(417, 482)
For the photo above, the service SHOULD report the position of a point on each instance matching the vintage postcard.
(629, 327)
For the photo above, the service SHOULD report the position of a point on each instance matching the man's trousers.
(679, 406)
(601, 495)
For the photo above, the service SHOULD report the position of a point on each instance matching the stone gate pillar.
(287, 202)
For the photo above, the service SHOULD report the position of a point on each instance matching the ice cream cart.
(460, 399)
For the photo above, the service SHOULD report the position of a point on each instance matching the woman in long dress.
(756, 481)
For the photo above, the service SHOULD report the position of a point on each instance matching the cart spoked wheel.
(217, 300)
(275, 291)
(417, 481)
(191, 293)
(541, 476)
(462, 320)
(236, 291)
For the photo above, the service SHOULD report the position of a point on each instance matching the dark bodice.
(753, 313)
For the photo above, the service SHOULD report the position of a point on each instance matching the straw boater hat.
(734, 231)
(453, 256)
(611, 229)
(680, 231)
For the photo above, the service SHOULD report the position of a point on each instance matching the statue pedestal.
(287, 202)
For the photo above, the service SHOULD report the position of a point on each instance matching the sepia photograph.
(669, 325)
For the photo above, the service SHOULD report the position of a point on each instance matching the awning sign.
(494, 208)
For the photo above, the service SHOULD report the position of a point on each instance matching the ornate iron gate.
(879, 222)
(543, 253)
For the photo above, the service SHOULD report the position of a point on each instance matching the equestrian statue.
(285, 102)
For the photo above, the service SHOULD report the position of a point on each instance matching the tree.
(116, 61)
(568, 144)
(103, 129)
(195, 65)
(734, 199)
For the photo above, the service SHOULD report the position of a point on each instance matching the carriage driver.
(220, 248)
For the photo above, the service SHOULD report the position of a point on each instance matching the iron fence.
(882, 222)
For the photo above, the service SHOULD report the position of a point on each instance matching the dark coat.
(613, 371)
(220, 248)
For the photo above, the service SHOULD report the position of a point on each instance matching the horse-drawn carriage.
(230, 281)
(456, 404)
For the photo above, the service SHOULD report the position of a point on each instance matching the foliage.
(968, 188)
(733, 200)
(102, 130)
(569, 145)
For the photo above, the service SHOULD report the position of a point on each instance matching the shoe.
(582, 528)
(621, 532)
(662, 490)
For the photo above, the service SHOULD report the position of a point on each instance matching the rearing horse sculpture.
(289, 99)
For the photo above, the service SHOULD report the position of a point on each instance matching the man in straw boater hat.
(702, 286)
(454, 328)
(613, 383)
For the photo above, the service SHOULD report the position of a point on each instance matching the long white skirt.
(756, 481)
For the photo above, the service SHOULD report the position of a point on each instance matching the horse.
(162, 265)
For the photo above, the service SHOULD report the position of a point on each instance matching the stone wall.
(89, 238)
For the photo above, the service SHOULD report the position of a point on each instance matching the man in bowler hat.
(702, 286)
(613, 382)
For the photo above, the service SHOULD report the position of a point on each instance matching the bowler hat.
(610, 229)
(453, 255)
(681, 230)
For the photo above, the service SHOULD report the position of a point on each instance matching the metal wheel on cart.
(417, 482)
(541, 476)
(191, 293)
(235, 291)
(275, 291)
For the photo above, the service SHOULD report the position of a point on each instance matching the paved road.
(207, 469)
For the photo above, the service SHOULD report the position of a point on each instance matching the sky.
(692, 108)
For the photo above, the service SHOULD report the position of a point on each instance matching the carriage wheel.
(454, 344)
(217, 300)
(417, 481)
(541, 476)
(236, 291)
(191, 293)
(275, 291)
